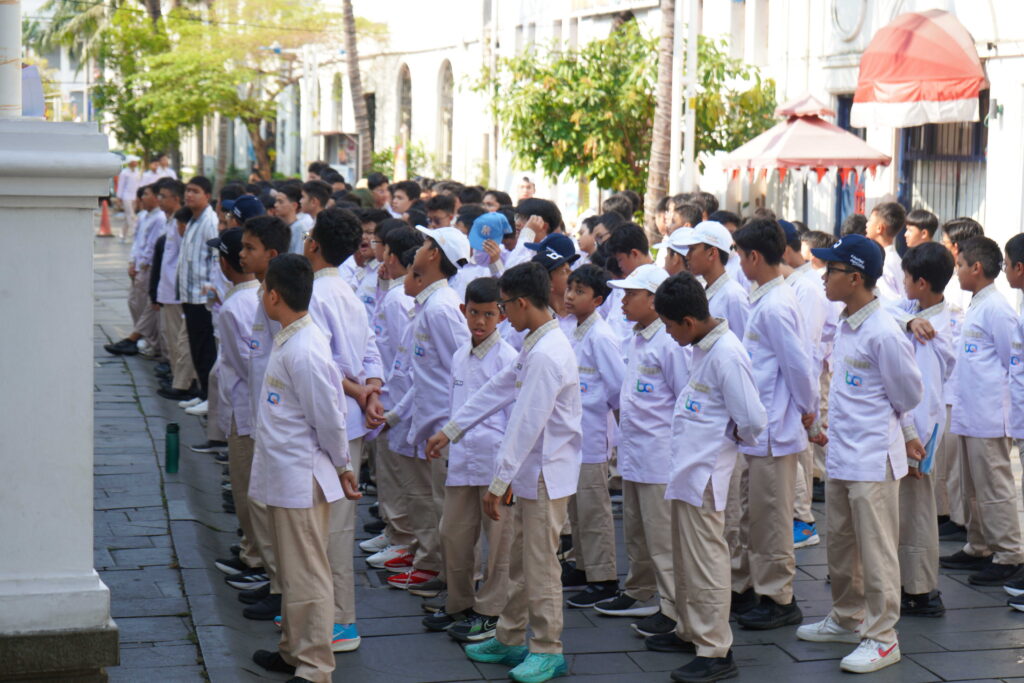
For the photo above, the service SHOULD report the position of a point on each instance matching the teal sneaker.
(346, 638)
(495, 652)
(539, 667)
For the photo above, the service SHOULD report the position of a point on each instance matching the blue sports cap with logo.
(857, 251)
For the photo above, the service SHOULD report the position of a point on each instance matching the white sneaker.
(391, 552)
(871, 655)
(145, 348)
(190, 402)
(198, 409)
(375, 545)
(827, 631)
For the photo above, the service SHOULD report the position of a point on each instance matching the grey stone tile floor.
(156, 536)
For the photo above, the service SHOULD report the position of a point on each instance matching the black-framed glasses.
(504, 302)
(836, 269)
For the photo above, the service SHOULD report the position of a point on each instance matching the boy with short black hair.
(921, 227)
(287, 202)
(717, 409)
(1014, 271)
(884, 224)
(629, 249)
(686, 215)
(601, 371)
(440, 211)
(301, 447)
(405, 195)
(873, 366)
(314, 197)
(709, 248)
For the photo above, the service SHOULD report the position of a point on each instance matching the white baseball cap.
(453, 243)
(677, 241)
(647, 276)
(709, 232)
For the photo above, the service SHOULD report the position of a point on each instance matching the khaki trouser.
(735, 531)
(240, 450)
(647, 529)
(949, 493)
(394, 508)
(144, 317)
(863, 562)
(416, 482)
(339, 548)
(213, 430)
(767, 492)
(535, 583)
(305, 574)
(263, 532)
(176, 341)
(802, 493)
(593, 527)
(461, 525)
(993, 527)
(130, 220)
(919, 536)
(701, 558)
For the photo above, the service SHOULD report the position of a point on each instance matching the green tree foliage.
(420, 161)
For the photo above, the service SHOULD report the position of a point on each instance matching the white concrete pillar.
(10, 59)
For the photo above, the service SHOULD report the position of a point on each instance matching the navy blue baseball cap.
(229, 245)
(247, 206)
(554, 250)
(790, 231)
(857, 251)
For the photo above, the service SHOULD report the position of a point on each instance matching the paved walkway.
(157, 534)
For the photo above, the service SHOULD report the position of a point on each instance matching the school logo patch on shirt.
(644, 387)
(691, 405)
(254, 344)
(273, 398)
(419, 350)
(970, 348)
(1014, 360)
(583, 387)
(853, 380)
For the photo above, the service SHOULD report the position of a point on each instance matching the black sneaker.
(125, 347)
(264, 610)
(162, 368)
(231, 566)
(430, 589)
(818, 491)
(994, 574)
(221, 457)
(441, 620)
(961, 560)
(272, 661)
(210, 447)
(624, 606)
(249, 579)
(743, 602)
(669, 642)
(706, 669)
(474, 628)
(374, 526)
(235, 550)
(593, 594)
(1014, 587)
(1016, 603)
(770, 614)
(254, 595)
(921, 605)
(951, 531)
(654, 625)
(431, 605)
(176, 394)
(573, 578)
(374, 510)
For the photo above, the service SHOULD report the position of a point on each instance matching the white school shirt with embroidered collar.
(732, 266)
(890, 285)
(342, 319)
(1017, 382)
(153, 233)
(300, 424)
(813, 306)
(140, 233)
(544, 432)
(261, 342)
(237, 314)
(348, 269)
(719, 401)
(728, 300)
(957, 301)
(366, 286)
(601, 369)
(471, 460)
(165, 289)
(390, 320)
(784, 371)
(612, 312)
(875, 382)
(657, 369)
(300, 226)
(981, 407)
(438, 330)
(196, 260)
(399, 383)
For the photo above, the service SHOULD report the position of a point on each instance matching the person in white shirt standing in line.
(127, 190)
(287, 200)
(300, 432)
(884, 224)
(717, 409)
(875, 382)
(1014, 270)
(539, 462)
(787, 383)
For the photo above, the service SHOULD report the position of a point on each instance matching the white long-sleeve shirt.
(300, 425)
(237, 313)
(394, 310)
(197, 261)
(814, 308)
(544, 433)
(875, 381)
(471, 460)
(261, 342)
(890, 285)
(657, 369)
(981, 407)
(719, 402)
(786, 378)
(601, 369)
(1017, 383)
(728, 300)
(165, 290)
(128, 185)
(154, 230)
(299, 227)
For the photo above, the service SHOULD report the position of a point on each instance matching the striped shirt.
(196, 261)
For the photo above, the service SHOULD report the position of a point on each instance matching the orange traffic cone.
(104, 221)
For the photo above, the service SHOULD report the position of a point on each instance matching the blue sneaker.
(539, 667)
(495, 652)
(277, 623)
(804, 534)
(346, 638)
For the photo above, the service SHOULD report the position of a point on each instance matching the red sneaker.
(414, 577)
(401, 563)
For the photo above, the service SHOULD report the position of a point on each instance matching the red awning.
(921, 68)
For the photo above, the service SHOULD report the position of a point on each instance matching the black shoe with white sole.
(252, 596)
(743, 602)
(994, 575)
(624, 606)
(272, 661)
(706, 670)
(655, 625)
(125, 347)
(210, 447)
(231, 566)
(770, 614)
(264, 610)
(572, 578)
(593, 594)
(961, 560)
(1016, 603)
(1015, 586)
(669, 642)
(249, 579)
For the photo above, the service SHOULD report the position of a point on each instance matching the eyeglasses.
(306, 235)
(503, 302)
(836, 269)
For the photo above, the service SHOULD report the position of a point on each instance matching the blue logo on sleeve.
(691, 405)
(644, 387)
(853, 380)
(274, 398)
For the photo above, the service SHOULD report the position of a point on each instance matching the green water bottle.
(171, 443)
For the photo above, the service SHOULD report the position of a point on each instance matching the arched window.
(404, 102)
(446, 101)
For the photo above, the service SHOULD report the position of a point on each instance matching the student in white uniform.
(300, 430)
(718, 408)
(656, 371)
(1014, 270)
(673, 250)
(980, 420)
(629, 247)
(884, 224)
(539, 463)
(875, 382)
(709, 247)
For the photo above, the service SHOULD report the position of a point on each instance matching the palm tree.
(661, 135)
(356, 86)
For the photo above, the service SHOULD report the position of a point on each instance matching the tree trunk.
(657, 172)
(355, 81)
(223, 152)
(259, 146)
(153, 10)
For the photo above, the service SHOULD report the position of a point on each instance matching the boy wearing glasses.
(875, 383)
